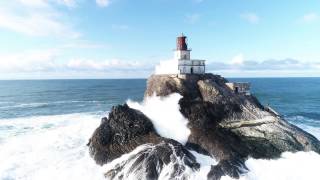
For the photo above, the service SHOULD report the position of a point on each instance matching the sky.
(78, 39)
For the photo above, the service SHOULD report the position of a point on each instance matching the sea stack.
(226, 120)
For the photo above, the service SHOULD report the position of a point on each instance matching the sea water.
(45, 125)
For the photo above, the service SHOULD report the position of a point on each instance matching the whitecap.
(50, 147)
(164, 112)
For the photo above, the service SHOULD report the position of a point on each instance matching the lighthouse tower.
(186, 65)
(182, 51)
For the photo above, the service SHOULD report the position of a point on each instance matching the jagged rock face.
(163, 85)
(126, 130)
(230, 167)
(229, 126)
(166, 160)
(122, 132)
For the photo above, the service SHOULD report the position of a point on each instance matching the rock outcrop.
(127, 129)
(230, 126)
(166, 160)
(124, 130)
(225, 125)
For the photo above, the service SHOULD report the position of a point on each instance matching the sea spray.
(54, 147)
(165, 115)
(167, 67)
(48, 147)
(126, 166)
(291, 166)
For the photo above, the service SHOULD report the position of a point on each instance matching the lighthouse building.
(186, 65)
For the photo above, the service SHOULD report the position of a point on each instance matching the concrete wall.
(191, 66)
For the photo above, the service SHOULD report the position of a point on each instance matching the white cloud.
(69, 3)
(50, 64)
(29, 64)
(237, 60)
(84, 45)
(29, 61)
(46, 3)
(238, 67)
(251, 17)
(96, 65)
(103, 3)
(119, 27)
(311, 17)
(35, 18)
(48, 61)
(34, 3)
(289, 64)
(192, 18)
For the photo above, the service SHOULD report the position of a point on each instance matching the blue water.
(45, 125)
(298, 99)
(53, 97)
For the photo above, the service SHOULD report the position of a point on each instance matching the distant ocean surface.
(45, 124)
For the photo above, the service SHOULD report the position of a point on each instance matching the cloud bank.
(40, 17)
(289, 67)
(50, 62)
(36, 18)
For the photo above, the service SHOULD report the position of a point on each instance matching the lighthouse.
(186, 65)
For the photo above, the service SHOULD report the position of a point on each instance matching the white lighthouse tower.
(186, 65)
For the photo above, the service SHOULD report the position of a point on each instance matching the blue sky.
(50, 39)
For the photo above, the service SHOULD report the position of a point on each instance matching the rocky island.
(226, 122)
(226, 125)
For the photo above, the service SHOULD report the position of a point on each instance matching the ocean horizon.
(145, 78)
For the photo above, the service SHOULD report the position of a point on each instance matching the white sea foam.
(204, 161)
(48, 147)
(167, 67)
(54, 147)
(205, 166)
(291, 166)
(165, 115)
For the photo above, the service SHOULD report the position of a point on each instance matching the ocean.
(45, 124)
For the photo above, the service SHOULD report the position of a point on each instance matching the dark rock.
(232, 168)
(149, 162)
(229, 126)
(122, 132)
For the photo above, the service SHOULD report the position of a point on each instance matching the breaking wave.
(291, 166)
(54, 147)
(164, 112)
(48, 147)
(167, 67)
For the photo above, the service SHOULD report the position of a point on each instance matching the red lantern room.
(181, 43)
